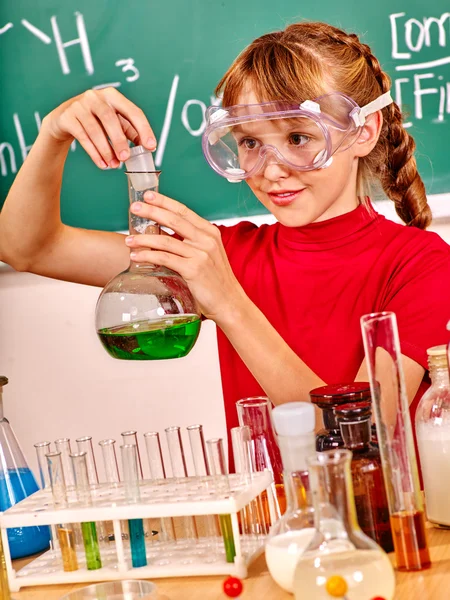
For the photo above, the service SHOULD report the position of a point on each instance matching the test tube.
(218, 467)
(198, 449)
(65, 532)
(178, 463)
(88, 529)
(253, 521)
(157, 471)
(130, 438)
(62, 445)
(136, 526)
(112, 473)
(85, 445)
(395, 438)
(42, 449)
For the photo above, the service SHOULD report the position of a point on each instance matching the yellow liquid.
(368, 573)
(66, 540)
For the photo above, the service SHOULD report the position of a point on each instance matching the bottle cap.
(141, 160)
(437, 350)
(293, 419)
(3, 380)
(340, 393)
(353, 411)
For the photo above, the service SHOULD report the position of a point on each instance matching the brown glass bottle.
(368, 484)
(328, 397)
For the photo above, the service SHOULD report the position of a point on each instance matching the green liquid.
(93, 560)
(170, 337)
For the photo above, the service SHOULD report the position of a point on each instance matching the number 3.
(127, 64)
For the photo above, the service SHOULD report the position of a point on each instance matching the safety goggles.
(239, 140)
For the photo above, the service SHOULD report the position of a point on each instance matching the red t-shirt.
(313, 284)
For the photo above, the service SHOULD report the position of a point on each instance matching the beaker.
(255, 413)
(16, 483)
(395, 437)
(340, 558)
(146, 312)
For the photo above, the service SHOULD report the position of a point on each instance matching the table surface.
(431, 584)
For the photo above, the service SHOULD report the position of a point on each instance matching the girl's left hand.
(200, 258)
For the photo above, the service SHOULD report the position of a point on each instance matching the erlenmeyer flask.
(146, 312)
(340, 561)
(16, 483)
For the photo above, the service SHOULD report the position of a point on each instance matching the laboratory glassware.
(146, 312)
(42, 449)
(4, 585)
(16, 483)
(340, 555)
(255, 413)
(294, 426)
(367, 473)
(218, 469)
(64, 531)
(395, 438)
(132, 494)
(62, 445)
(327, 397)
(433, 438)
(88, 529)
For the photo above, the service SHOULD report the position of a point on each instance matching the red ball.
(378, 598)
(232, 587)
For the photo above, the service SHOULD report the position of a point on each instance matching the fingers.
(164, 243)
(95, 136)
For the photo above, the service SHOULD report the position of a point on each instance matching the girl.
(308, 122)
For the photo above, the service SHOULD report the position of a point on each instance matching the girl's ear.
(369, 135)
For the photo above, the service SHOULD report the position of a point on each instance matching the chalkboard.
(168, 56)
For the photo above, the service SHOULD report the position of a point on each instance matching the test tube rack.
(172, 497)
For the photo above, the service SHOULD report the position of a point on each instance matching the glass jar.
(341, 561)
(327, 397)
(433, 438)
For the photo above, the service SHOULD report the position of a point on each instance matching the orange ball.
(336, 586)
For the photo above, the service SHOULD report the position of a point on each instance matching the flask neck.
(297, 490)
(1, 404)
(356, 434)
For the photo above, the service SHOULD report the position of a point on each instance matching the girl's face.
(298, 198)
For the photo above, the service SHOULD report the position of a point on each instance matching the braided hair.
(306, 58)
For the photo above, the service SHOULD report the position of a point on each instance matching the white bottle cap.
(141, 169)
(294, 418)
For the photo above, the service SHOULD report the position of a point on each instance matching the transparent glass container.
(371, 501)
(433, 438)
(255, 413)
(146, 312)
(16, 483)
(294, 426)
(328, 397)
(341, 561)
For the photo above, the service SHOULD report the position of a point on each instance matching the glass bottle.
(146, 312)
(433, 438)
(16, 483)
(255, 413)
(294, 425)
(328, 397)
(340, 561)
(367, 473)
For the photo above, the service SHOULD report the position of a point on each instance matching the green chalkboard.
(168, 56)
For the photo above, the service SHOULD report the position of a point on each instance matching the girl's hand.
(200, 258)
(102, 121)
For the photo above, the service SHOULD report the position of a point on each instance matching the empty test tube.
(198, 449)
(88, 529)
(218, 467)
(130, 438)
(136, 526)
(42, 449)
(178, 463)
(62, 445)
(252, 516)
(110, 460)
(157, 471)
(65, 532)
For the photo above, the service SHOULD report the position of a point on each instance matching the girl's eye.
(248, 143)
(298, 139)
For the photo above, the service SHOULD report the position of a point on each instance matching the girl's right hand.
(102, 121)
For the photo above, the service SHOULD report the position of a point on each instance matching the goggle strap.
(359, 114)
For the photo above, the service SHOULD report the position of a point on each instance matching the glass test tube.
(252, 516)
(42, 449)
(65, 532)
(130, 438)
(178, 463)
(88, 529)
(395, 438)
(62, 445)
(157, 471)
(218, 467)
(112, 472)
(136, 526)
(198, 449)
